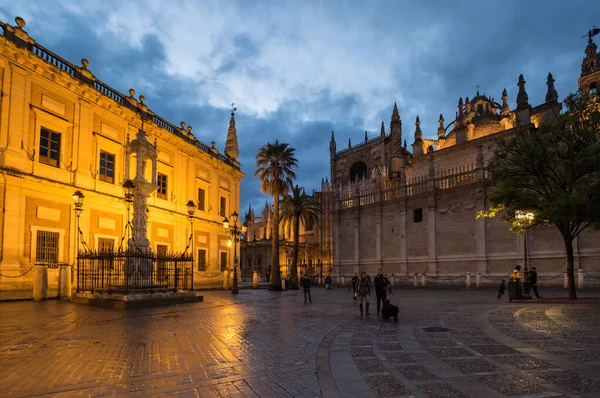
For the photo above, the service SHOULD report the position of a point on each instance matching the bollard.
(478, 279)
(230, 279)
(342, 281)
(423, 280)
(566, 280)
(64, 281)
(392, 281)
(580, 279)
(415, 280)
(282, 283)
(468, 280)
(40, 283)
(255, 279)
(225, 279)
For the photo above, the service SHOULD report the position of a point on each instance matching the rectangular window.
(46, 250)
(418, 215)
(201, 198)
(223, 207)
(49, 147)
(106, 245)
(201, 259)
(224, 264)
(107, 167)
(161, 182)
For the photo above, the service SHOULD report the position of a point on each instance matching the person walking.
(533, 281)
(328, 282)
(353, 286)
(364, 290)
(501, 288)
(381, 286)
(306, 283)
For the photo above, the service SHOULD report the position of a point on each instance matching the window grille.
(46, 247)
(201, 198)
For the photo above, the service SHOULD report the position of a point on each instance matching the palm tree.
(276, 166)
(296, 207)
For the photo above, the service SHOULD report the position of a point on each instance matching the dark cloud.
(445, 49)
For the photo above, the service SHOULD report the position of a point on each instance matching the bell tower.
(589, 81)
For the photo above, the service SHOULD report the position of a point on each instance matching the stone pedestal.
(64, 281)
(255, 279)
(40, 283)
(226, 279)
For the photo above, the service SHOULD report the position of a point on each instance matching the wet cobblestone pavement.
(447, 343)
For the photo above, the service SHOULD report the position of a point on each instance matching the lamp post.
(128, 197)
(235, 231)
(78, 202)
(526, 219)
(191, 209)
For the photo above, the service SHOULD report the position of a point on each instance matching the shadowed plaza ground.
(448, 343)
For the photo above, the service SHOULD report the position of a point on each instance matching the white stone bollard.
(64, 281)
(415, 280)
(255, 279)
(230, 279)
(225, 280)
(423, 280)
(580, 279)
(392, 281)
(40, 283)
(468, 280)
(566, 280)
(478, 279)
(342, 281)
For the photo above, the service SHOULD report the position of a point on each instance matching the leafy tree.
(276, 166)
(552, 172)
(298, 206)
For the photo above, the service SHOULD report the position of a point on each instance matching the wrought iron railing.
(133, 271)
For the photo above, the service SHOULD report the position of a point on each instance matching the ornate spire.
(382, 130)
(467, 106)
(366, 136)
(231, 146)
(396, 132)
(461, 111)
(505, 111)
(349, 142)
(332, 145)
(522, 97)
(395, 113)
(441, 130)
(405, 144)
(551, 95)
(418, 132)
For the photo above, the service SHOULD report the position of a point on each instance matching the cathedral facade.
(411, 209)
(63, 131)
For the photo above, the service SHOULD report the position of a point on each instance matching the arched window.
(357, 171)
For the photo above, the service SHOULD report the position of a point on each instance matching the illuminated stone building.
(316, 247)
(62, 130)
(411, 209)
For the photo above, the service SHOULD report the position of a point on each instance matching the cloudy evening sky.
(297, 70)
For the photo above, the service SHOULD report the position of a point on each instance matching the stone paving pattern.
(447, 343)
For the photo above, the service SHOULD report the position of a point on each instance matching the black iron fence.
(133, 271)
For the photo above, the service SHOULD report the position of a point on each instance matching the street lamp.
(78, 202)
(128, 197)
(235, 231)
(191, 209)
(526, 219)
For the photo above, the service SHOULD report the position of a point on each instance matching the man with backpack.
(382, 285)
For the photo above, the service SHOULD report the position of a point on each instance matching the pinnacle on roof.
(551, 94)
(522, 97)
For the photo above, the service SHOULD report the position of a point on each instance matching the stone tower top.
(231, 146)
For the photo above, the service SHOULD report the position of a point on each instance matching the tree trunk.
(570, 266)
(275, 269)
(294, 273)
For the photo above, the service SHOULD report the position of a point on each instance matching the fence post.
(415, 280)
(40, 282)
(478, 279)
(423, 279)
(468, 280)
(580, 279)
(566, 280)
(64, 281)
